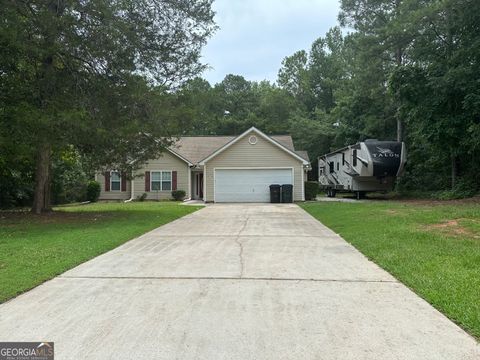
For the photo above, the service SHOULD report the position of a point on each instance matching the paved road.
(234, 282)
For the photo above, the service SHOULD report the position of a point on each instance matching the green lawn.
(433, 249)
(34, 248)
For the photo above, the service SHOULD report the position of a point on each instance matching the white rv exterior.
(367, 166)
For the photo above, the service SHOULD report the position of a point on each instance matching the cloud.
(255, 35)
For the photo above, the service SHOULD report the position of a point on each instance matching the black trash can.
(274, 193)
(287, 193)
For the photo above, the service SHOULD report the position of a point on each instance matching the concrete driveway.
(234, 282)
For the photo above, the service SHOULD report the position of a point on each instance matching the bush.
(311, 190)
(178, 195)
(69, 179)
(93, 191)
(463, 189)
(142, 197)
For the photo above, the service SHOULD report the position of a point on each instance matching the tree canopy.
(93, 75)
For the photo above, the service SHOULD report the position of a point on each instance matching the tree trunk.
(41, 196)
(399, 129)
(42, 192)
(399, 63)
(400, 125)
(454, 165)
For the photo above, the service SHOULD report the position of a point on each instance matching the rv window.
(343, 159)
(354, 160)
(332, 169)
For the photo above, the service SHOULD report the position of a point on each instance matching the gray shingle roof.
(303, 154)
(196, 148)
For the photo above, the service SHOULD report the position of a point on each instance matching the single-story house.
(215, 169)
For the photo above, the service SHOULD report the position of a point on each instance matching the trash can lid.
(274, 185)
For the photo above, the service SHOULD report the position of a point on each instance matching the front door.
(199, 187)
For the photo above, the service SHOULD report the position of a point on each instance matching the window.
(338, 166)
(166, 180)
(354, 160)
(343, 159)
(115, 181)
(331, 165)
(161, 181)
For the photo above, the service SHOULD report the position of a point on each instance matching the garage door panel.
(248, 185)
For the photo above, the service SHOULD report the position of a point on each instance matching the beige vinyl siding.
(168, 162)
(112, 195)
(244, 155)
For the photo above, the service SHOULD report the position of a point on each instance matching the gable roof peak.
(262, 134)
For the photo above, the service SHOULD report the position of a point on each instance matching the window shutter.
(107, 180)
(124, 182)
(147, 180)
(174, 180)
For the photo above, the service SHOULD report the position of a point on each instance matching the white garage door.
(248, 185)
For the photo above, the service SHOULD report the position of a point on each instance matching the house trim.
(189, 174)
(205, 183)
(303, 184)
(266, 137)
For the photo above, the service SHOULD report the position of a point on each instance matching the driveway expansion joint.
(250, 235)
(226, 278)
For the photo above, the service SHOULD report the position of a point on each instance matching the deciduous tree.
(89, 74)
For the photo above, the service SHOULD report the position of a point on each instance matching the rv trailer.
(367, 166)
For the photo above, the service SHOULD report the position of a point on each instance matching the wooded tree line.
(94, 84)
(83, 86)
(392, 69)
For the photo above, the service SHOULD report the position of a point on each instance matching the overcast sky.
(255, 35)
